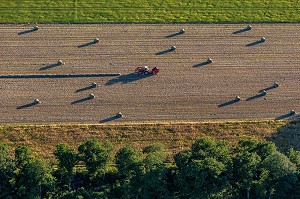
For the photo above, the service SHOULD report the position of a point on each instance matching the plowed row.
(183, 90)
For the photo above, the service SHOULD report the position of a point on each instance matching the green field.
(93, 11)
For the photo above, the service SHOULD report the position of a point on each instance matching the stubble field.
(184, 90)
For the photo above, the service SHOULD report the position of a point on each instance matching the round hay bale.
(119, 115)
(262, 39)
(91, 96)
(292, 112)
(209, 60)
(96, 40)
(94, 84)
(36, 101)
(35, 28)
(59, 62)
(263, 92)
(275, 85)
(237, 98)
(173, 48)
(182, 31)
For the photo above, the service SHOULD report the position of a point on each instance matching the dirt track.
(183, 90)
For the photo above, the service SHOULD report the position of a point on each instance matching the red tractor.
(144, 70)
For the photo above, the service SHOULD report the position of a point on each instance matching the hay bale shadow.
(27, 31)
(164, 52)
(27, 105)
(256, 96)
(125, 79)
(86, 44)
(201, 64)
(284, 116)
(248, 28)
(84, 89)
(109, 119)
(173, 35)
(228, 103)
(268, 88)
(255, 43)
(81, 100)
(50, 66)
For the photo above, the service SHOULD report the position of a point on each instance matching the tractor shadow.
(125, 79)
(228, 103)
(109, 119)
(288, 135)
(201, 64)
(84, 89)
(81, 100)
(86, 44)
(27, 105)
(241, 30)
(255, 43)
(49, 66)
(255, 96)
(173, 35)
(164, 52)
(27, 31)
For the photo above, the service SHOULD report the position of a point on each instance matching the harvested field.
(187, 88)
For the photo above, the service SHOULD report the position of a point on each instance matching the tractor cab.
(144, 70)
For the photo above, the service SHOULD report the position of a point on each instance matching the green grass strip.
(94, 11)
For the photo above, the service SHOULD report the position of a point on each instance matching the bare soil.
(184, 90)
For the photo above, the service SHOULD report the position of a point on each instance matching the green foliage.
(204, 172)
(211, 11)
(35, 179)
(209, 169)
(67, 159)
(96, 156)
(7, 167)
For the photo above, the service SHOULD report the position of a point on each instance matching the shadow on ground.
(125, 79)
(228, 103)
(268, 88)
(202, 64)
(255, 43)
(164, 52)
(84, 89)
(109, 119)
(81, 100)
(27, 105)
(27, 31)
(173, 35)
(255, 96)
(86, 44)
(288, 135)
(241, 30)
(49, 66)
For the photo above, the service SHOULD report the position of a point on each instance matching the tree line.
(210, 168)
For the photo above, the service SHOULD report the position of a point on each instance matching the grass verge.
(94, 11)
(176, 136)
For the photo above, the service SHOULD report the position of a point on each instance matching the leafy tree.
(129, 163)
(204, 171)
(7, 168)
(280, 175)
(67, 159)
(23, 155)
(245, 171)
(35, 179)
(155, 181)
(96, 156)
